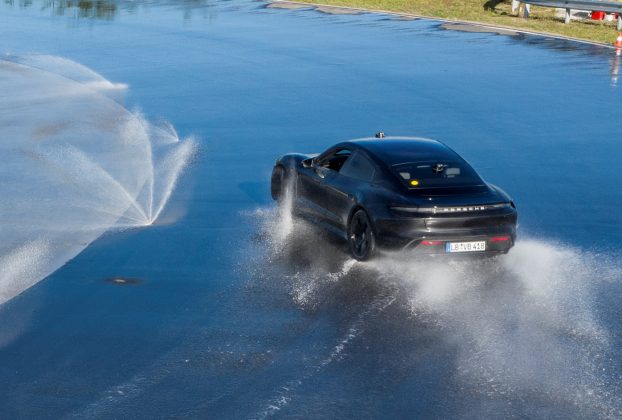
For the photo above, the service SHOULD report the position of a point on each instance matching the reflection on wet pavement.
(241, 311)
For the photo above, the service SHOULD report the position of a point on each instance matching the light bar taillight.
(457, 209)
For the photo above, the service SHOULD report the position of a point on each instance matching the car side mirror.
(307, 163)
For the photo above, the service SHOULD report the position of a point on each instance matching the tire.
(361, 237)
(277, 183)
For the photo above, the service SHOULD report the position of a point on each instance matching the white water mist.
(524, 326)
(74, 163)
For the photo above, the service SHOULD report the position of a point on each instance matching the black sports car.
(398, 193)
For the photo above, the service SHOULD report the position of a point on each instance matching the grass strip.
(495, 12)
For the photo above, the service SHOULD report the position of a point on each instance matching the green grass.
(495, 12)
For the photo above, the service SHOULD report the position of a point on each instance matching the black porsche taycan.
(398, 193)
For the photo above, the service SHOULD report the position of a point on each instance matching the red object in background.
(598, 15)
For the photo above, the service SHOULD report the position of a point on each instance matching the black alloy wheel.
(361, 237)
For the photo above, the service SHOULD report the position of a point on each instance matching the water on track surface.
(521, 327)
(236, 314)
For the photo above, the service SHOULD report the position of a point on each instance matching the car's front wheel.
(361, 238)
(277, 183)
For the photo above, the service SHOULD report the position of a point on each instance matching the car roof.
(396, 150)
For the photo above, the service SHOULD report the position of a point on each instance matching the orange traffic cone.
(618, 43)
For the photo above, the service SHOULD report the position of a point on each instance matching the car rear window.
(437, 174)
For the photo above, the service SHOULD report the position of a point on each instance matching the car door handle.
(338, 191)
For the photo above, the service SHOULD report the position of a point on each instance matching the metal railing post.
(522, 8)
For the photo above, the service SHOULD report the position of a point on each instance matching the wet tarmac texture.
(227, 308)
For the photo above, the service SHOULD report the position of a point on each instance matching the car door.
(314, 184)
(354, 176)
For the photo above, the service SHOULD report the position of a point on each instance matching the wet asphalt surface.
(232, 310)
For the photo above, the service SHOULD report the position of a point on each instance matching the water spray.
(74, 163)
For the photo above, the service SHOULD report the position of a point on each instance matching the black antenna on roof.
(379, 135)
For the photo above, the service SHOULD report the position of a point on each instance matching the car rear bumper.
(431, 235)
(494, 244)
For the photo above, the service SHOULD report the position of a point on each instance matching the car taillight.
(500, 239)
(404, 209)
(430, 243)
(451, 209)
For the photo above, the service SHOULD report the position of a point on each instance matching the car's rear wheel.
(361, 238)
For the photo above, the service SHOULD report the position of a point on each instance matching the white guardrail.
(590, 5)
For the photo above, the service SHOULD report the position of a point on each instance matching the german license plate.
(465, 246)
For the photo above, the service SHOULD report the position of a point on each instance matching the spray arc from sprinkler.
(75, 163)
